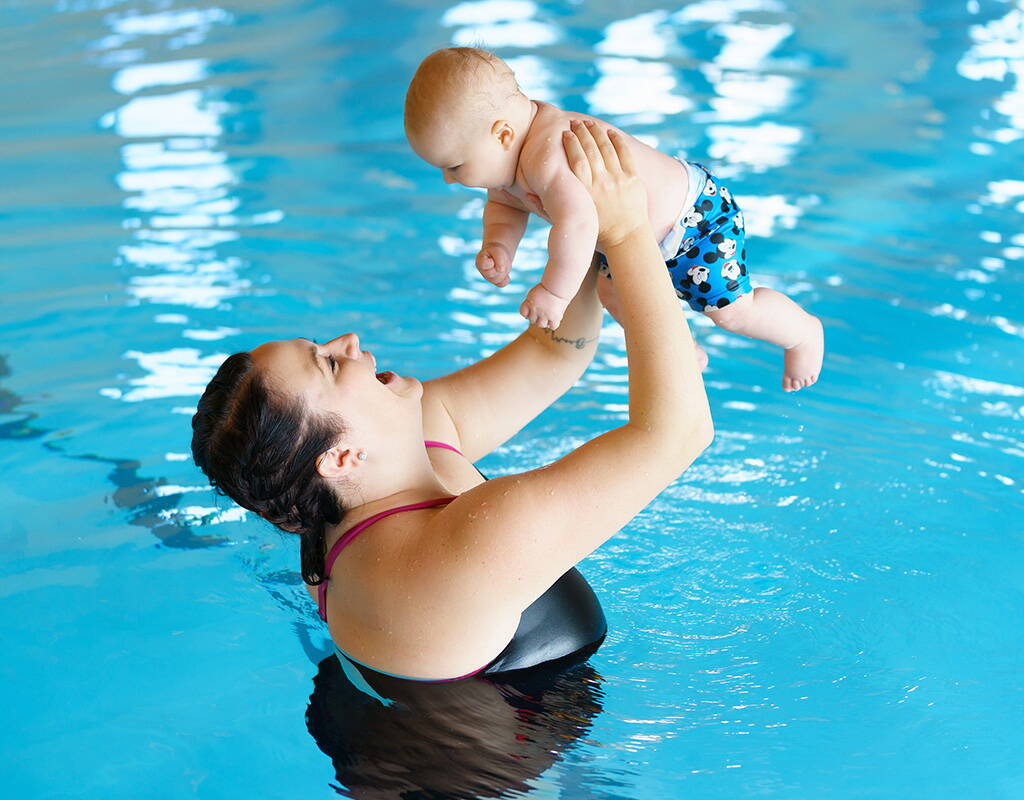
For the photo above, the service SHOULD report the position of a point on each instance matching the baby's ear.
(506, 133)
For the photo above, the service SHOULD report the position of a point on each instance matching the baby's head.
(465, 114)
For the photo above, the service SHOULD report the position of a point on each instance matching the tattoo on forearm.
(579, 343)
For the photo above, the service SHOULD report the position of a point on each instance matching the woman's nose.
(347, 345)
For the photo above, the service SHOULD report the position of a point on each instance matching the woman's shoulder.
(404, 579)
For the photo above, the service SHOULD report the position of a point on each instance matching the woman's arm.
(540, 523)
(483, 405)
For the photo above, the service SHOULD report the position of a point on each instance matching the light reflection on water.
(836, 576)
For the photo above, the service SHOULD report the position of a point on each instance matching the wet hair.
(450, 79)
(260, 447)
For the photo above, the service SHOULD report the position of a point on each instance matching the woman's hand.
(602, 162)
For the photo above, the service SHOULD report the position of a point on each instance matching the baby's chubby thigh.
(735, 316)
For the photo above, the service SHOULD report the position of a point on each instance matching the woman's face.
(340, 378)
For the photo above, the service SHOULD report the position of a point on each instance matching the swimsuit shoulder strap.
(348, 536)
(443, 446)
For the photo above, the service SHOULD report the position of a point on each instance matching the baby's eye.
(334, 364)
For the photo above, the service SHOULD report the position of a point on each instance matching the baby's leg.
(610, 300)
(772, 317)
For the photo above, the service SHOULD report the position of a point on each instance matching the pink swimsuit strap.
(443, 446)
(348, 536)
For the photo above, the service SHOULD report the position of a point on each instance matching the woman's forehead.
(287, 358)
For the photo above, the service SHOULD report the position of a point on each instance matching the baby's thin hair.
(446, 76)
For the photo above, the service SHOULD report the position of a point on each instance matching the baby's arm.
(503, 228)
(570, 247)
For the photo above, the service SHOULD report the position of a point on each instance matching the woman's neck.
(388, 487)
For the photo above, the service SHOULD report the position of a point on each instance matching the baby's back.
(665, 178)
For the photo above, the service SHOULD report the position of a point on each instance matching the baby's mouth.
(386, 377)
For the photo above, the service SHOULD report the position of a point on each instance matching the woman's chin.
(402, 385)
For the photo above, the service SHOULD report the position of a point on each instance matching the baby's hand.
(543, 308)
(494, 262)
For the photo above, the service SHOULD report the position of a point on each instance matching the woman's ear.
(336, 462)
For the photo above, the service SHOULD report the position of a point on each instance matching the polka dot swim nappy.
(705, 251)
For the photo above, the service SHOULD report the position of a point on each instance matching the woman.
(458, 572)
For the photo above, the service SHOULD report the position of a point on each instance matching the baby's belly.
(665, 198)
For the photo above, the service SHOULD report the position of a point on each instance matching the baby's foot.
(803, 361)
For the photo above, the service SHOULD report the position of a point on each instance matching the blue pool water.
(828, 604)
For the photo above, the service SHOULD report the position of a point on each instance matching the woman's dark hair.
(260, 447)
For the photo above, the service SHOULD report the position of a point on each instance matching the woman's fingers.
(618, 141)
(608, 154)
(589, 146)
(578, 162)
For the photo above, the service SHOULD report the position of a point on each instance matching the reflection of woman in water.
(420, 567)
(467, 739)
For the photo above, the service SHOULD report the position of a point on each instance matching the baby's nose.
(448, 178)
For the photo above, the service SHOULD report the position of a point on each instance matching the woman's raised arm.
(485, 404)
(540, 523)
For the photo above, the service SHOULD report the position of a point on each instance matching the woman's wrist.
(581, 324)
(639, 232)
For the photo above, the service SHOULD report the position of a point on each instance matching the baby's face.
(467, 155)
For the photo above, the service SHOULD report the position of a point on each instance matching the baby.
(465, 114)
